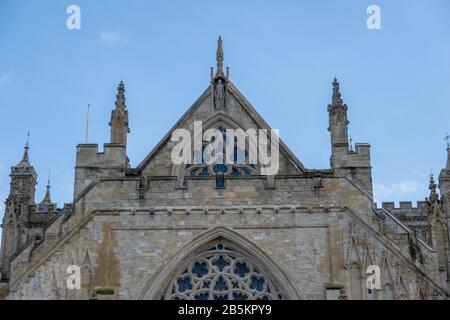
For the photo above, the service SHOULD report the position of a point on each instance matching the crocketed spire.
(119, 118)
(220, 74)
(219, 57)
(434, 197)
(337, 116)
(120, 96)
(336, 100)
(47, 198)
(25, 162)
(47, 205)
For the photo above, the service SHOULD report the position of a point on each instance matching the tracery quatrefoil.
(221, 273)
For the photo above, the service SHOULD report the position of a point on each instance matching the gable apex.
(241, 103)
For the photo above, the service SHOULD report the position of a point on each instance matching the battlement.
(362, 148)
(358, 158)
(405, 209)
(92, 164)
(39, 217)
(17, 170)
(113, 155)
(355, 163)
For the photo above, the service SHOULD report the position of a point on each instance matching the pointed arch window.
(221, 273)
(221, 170)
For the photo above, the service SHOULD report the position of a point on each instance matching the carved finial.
(337, 100)
(350, 142)
(432, 186)
(219, 57)
(338, 117)
(432, 182)
(120, 97)
(119, 118)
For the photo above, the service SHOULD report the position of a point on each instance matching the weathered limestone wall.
(312, 234)
(320, 228)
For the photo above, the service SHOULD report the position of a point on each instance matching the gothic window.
(234, 169)
(221, 273)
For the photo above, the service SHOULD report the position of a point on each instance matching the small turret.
(346, 160)
(25, 162)
(438, 227)
(91, 164)
(444, 188)
(23, 179)
(15, 220)
(46, 205)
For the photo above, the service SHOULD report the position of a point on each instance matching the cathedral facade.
(165, 230)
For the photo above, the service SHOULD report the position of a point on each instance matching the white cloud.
(404, 190)
(5, 78)
(113, 38)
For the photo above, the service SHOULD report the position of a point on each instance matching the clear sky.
(282, 55)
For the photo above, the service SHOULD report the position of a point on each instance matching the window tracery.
(221, 273)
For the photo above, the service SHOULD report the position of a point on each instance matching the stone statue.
(219, 95)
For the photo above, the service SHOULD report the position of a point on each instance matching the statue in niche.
(219, 95)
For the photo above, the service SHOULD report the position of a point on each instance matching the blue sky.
(282, 55)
